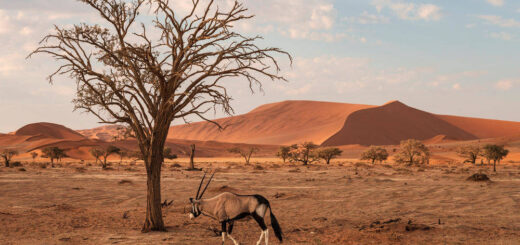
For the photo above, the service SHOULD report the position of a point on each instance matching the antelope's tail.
(276, 226)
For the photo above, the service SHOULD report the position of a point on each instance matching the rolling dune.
(391, 123)
(286, 122)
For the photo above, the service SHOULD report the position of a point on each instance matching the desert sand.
(343, 203)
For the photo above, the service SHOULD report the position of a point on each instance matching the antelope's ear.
(191, 199)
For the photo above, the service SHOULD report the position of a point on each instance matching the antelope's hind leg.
(223, 232)
(230, 227)
(261, 223)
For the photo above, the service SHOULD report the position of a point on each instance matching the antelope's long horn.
(206, 187)
(200, 185)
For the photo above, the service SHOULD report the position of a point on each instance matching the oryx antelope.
(228, 207)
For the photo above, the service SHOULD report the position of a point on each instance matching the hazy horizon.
(444, 57)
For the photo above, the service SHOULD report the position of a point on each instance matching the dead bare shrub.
(81, 169)
(125, 181)
(478, 177)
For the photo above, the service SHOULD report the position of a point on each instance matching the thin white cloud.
(10, 64)
(499, 21)
(410, 11)
(297, 19)
(366, 18)
(504, 85)
(502, 36)
(456, 86)
(5, 26)
(497, 3)
(340, 75)
(299, 91)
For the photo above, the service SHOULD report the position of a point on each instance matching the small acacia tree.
(495, 153)
(7, 155)
(304, 153)
(329, 153)
(122, 154)
(283, 152)
(34, 155)
(412, 152)
(53, 153)
(96, 153)
(470, 152)
(246, 154)
(106, 152)
(375, 153)
(124, 76)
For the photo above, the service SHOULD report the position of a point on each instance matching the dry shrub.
(15, 164)
(258, 167)
(175, 165)
(296, 170)
(42, 165)
(22, 169)
(130, 169)
(478, 177)
(81, 169)
(125, 181)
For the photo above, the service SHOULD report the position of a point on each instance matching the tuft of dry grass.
(125, 181)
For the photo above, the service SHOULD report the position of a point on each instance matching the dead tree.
(246, 154)
(192, 155)
(124, 76)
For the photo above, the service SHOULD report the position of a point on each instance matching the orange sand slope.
(39, 135)
(104, 133)
(484, 128)
(391, 123)
(49, 130)
(285, 122)
(327, 123)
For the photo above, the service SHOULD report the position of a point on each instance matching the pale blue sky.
(443, 56)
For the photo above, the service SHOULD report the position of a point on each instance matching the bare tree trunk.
(192, 155)
(6, 161)
(494, 165)
(153, 220)
(153, 160)
(104, 163)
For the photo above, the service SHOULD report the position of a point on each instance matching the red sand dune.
(280, 124)
(285, 122)
(49, 130)
(484, 128)
(35, 137)
(391, 123)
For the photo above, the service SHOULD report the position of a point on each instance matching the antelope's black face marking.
(195, 210)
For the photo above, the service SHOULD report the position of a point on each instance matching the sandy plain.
(346, 202)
